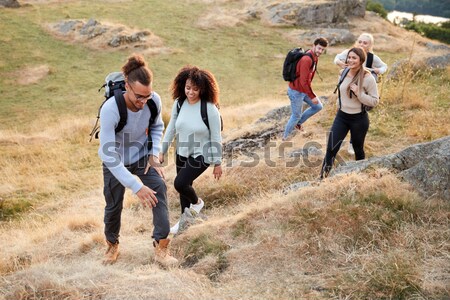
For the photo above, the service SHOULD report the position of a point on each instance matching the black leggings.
(188, 169)
(357, 124)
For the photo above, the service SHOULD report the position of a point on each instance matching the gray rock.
(438, 62)
(435, 47)
(68, 26)
(404, 67)
(333, 35)
(307, 13)
(306, 151)
(425, 166)
(296, 187)
(9, 3)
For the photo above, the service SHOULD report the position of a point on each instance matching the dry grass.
(358, 236)
(353, 237)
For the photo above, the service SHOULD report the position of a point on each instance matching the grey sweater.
(192, 135)
(128, 146)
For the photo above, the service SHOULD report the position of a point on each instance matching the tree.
(376, 7)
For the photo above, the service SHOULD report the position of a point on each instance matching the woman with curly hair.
(198, 145)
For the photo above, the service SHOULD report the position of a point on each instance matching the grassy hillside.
(365, 236)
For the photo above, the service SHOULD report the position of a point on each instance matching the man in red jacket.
(300, 90)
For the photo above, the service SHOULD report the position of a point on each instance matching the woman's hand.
(217, 171)
(354, 88)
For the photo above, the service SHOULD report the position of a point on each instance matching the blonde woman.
(373, 63)
(356, 89)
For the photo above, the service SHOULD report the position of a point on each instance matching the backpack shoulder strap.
(341, 79)
(369, 60)
(307, 52)
(204, 112)
(179, 104)
(153, 111)
(153, 115)
(120, 101)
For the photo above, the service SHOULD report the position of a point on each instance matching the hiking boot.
(299, 127)
(162, 254)
(198, 207)
(112, 252)
(325, 172)
(174, 228)
(350, 149)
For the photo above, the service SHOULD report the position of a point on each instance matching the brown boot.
(162, 253)
(111, 253)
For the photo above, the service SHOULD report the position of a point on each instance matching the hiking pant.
(299, 117)
(188, 169)
(357, 124)
(114, 193)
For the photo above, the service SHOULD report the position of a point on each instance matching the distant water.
(397, 16)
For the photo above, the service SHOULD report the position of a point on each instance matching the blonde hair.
(368, 36)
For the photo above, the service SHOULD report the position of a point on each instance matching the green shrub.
(377, 8)
(432, 31)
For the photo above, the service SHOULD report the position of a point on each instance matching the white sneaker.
(350, 149)
(174, 228)
(198, 207)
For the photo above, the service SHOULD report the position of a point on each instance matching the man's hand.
(315, 100)
(147, 196)
(154, 162)
(217, 171)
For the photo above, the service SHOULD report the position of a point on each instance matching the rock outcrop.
(105, 36)
(9, 3)
(307, 13)
(425, 166)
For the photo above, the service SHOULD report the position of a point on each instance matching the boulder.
(9, 3)
(307, 12)
(425, 166)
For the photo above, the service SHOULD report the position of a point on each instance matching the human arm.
(215, 139)
(304, 69)
(155, 134)
(170, 132)
(378, 66)
(109, 148)
(340, 59)
(369, 94)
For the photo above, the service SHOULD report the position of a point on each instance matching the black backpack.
(115, 86)
(203, 112)
(290, 63)
(341, 79)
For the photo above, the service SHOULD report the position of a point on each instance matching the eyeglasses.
(140, 97)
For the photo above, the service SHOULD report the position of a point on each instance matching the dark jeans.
(357, 124)
(114, 192)
(188, 169)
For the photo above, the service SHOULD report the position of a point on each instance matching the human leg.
(113, 191)
(312, 109)
(358, 131)
(193, 168)
(161, 225)
(338, 131)
(296, 99)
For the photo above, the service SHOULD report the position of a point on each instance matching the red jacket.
(306, 70)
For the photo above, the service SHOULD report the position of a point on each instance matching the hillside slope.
(363, 235)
